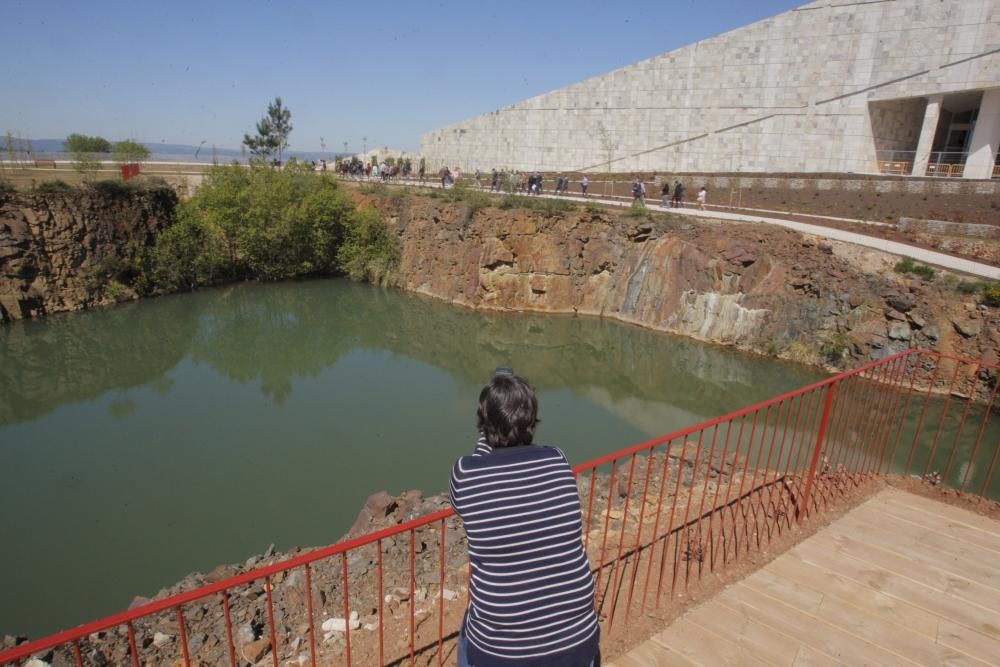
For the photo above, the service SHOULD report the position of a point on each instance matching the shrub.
(907, 265)
(637, 210)
(512, 201)
(57, 186)
(991, 295)
(477, 199)
(369, 251)
(551, 207)
(834, 346)
(267, 223)
(113, 189)
(189, 254)
(969, 286)
(115, 291)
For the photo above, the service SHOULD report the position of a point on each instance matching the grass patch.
(834, 346)
(907, 265)
(550, 207)
(637, 210)
(57, 186)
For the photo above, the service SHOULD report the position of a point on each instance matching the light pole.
(345, 148)
(322, 145)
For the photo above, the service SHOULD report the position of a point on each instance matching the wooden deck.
(901, 580)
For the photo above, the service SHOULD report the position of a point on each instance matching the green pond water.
(147, 441)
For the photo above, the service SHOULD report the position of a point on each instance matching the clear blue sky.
(183, 72)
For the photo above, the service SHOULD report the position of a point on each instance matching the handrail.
(856, 442)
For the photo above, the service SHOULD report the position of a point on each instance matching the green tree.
(127, 151)
(272, 132)
(81, 143)
(86, 152)
(9, 147)
(257, 222)
(369, 250)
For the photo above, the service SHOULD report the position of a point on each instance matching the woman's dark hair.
(508, 411)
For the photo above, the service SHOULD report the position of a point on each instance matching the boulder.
(967, 327)
(901, 301)
(900, 331)
(341, 625)
(255, 650)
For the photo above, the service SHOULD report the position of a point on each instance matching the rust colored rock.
(255, 650)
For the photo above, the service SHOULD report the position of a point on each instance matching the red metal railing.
(658, 517)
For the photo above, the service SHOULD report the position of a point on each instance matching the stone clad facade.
(832, 86)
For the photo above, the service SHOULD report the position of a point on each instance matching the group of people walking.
(515, 181)
(383, 171)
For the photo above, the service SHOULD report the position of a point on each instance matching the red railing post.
(827, 406)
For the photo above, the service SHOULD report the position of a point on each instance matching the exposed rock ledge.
(759, 288)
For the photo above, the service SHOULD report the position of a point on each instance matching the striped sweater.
(532, 592)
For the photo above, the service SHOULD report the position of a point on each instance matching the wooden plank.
(650, 654)
(809, 630)
(954, 529)
(790, 592)
(772, 646)
(885, 510)
(968, 641)
(897, 564)
(916, 592)
(862, 623)
(810, 657)
(926, 547)
(892, 636)
(940, 510)
(791, 566)
(707, 648)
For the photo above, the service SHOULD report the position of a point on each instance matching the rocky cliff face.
(55, 246)
(760, 288)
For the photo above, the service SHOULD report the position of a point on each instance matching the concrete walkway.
(900, 580)
(943, 260)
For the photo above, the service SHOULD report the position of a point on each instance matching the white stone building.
(381, 154)
(835, 86)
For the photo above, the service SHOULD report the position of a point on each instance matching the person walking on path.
(494, 180)
(678, 194)
(531, 591)
(665, 194)
(638, 192)
(702, 197)
(584, 184)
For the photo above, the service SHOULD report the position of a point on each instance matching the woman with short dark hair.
(532, 591)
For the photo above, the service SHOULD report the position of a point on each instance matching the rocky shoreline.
(762, 289)
(766, 290)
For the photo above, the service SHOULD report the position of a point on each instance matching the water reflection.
(163, 437)
(273, 335)
(80, 356)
